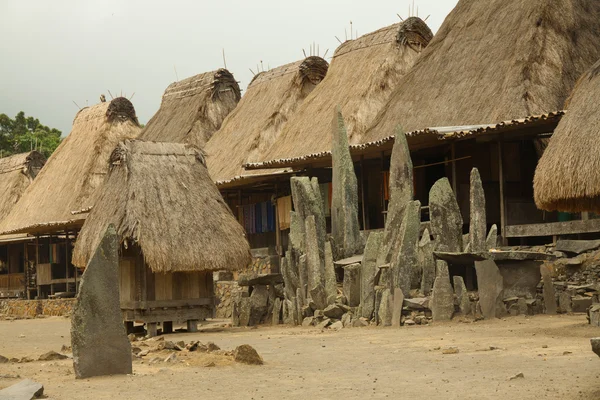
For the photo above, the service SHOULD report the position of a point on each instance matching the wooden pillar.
(67, 261)
(26, 270)
(362, 192)
(277, 231)
(453, 155)
(167, 327)
(383, 208)
(192, 325)
(151, 328)
(502, 204)
(37, 262)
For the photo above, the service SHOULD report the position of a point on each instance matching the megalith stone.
(314, 264)
(427, 262)
(288, 312)
(351, 284)
(491, 242)
(490, 285)
(244, 308)
(564, 301)
(302, 278)
(442, 296)
(277, 311)
(259, 300)
(548, 290)
(330, 279)
(290, 277)
(368, 273)
(344, 198)
(405, 263)
(98, 337)
(446, 221)
(385, 308)
(460, 290)
(397, 301)
(307, 200)
(595, 345)
(477, 222)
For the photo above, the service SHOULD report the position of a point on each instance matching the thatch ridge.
(16, 174)
(161, 197)
(567, 177)
(270, 100)
(495, 60)
(194, 108)
(73, 173)
(362, 76)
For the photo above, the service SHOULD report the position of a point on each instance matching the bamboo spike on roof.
(70, 178)
(16, 174)
(567, 176)
(193, 109)
(161, 197)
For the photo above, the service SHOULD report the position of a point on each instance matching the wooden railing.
(12, 282)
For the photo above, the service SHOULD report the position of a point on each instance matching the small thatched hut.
(567, 177)
(175, 229)
(193, 109)
(363, 74)
(271, 99)
(16, 174)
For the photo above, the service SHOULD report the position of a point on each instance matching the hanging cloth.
(284, 208)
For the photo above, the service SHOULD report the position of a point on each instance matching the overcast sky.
(55, 52)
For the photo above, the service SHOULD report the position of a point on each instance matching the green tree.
(23, 134)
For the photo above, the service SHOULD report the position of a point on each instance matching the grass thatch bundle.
(362, 76)
(493, 61)
(16, 174)
(160, 197)
(567, 177)
(70, 179)
(270, 100)
(193, 109)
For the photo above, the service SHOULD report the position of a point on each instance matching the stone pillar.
(548, 291)
(352, 284)
(330, 279)
(427, 262)
(491, 242)
(405, 263)
(385, 308)
(442, 297)
(490, 286)
(477, 222)
(315, 267)
(446, 221)
(462, 296)
(368, 272)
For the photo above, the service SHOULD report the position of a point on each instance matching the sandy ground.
(365, 363)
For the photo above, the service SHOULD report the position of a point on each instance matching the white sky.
(55, 52)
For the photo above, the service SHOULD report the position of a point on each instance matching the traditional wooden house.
(174, 227)
(16, 174)
(567, 177)
(52, 209)
(193, 109)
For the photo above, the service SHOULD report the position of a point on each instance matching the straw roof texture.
(495, 60)
(567, 177)
(160, 196)
(72, 175)
(362, 76)
(270, 100)
(16, 173)
(193, 109)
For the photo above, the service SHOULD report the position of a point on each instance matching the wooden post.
(37, 262)
(362, 192)
(277, 231)
(26, 268)
(151, 327)
(192, 325)
(167, 327)
(453, 155)
(67, 260)
(502, 204)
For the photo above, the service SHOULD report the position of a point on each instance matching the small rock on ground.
(247, 354)
(51, 356)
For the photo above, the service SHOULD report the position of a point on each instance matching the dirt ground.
(552, 352)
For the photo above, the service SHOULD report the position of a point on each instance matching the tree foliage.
(23, 134)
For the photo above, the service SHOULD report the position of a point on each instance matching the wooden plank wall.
(127, 280)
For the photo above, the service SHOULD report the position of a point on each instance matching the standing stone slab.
(564, 301)
(352, 284)
(442, 296)
(368, 273)
(460, 290)
(290, 277)
(477, 222)
(314, 264)
(427, 262)
(307, 200)
(398, 301)
(288, 312)
(490, 285)
(405, 265)
(549, 293)
(344, 200)
(330, 279)
(259, 301)
(276, 311)
(298, 306)
(244, 311)
(446, 221)
(385, 308)
(98, 337)
(491, 242)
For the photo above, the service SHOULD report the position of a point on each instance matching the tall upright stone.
(290, 277)
(330, 279)
(397, 301)
(405, 263)
(344, 200)
(548, 290)
(427, 262)
(368, 273)
(491, 242)
(477, 222)
(401, 192)
(352, 284)
(307, 199)
(98, 337)
(442, 297)
(446, 221)
(314, 264)
(490, 285)
(303, 279)
(460, 291)
(385, 308)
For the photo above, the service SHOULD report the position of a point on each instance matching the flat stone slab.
(501, 255)
(24, 390)
(349, 261)
(490, 284)
(460, 258)
(577, 246)
(261, 279)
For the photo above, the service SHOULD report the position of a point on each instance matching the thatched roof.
(361, 78)
(69, 180)
(270, 100)
(495, 60)
(16, 173)
(160, 196)
(193, 109)
(567, 177)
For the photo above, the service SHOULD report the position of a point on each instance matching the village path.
(354, 363)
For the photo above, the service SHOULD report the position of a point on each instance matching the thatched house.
(16, 174)
(51, 207)
(174, 227)
(567, 177)
(193, 109)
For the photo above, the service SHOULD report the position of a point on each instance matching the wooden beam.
(502, 204)
(362, 192)
(554, 228)
(453, 157)
(146, 305)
